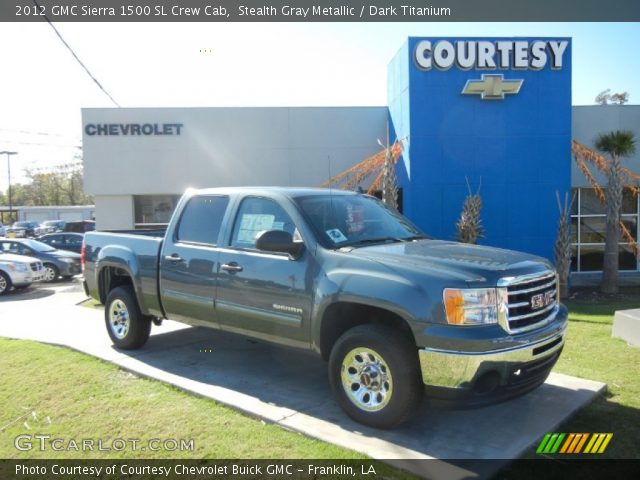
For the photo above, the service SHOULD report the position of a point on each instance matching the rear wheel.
(375, 375)
(5, 283)
(127, 327)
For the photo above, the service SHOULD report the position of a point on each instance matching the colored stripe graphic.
(596, 443)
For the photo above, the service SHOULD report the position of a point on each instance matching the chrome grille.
(531, 301)
(35, 266)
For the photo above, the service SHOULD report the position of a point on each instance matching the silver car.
(19, 271)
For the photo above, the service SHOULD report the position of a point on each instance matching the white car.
(19, 271)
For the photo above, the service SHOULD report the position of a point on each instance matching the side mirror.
(279, 241)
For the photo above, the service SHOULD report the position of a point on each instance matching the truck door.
(188, 261)
(263, 294)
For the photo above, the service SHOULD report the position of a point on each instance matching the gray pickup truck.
(394, 312)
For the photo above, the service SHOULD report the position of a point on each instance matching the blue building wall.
(517, 148)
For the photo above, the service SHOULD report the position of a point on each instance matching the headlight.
(67, 260)
(18, 267)
(477, 306)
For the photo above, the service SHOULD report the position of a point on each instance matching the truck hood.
(469, 263)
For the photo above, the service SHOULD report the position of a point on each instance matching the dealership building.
(487, 113)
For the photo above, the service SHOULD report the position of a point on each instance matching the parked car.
(3, 231)
(23, 229)
(394, 312)
(80, 227)
(56, 262)
(18, 271)
(71, 242)
(50, 226)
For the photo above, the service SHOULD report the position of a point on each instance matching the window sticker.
(355, 218)
(252, 224)
(336, 235)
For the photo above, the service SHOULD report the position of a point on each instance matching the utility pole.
(8, 154)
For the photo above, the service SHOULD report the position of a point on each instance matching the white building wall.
(114, 212)
(227, 147)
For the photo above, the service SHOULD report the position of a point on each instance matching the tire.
(5, 283)
(127, 327)
(385, 386)
(51, 273)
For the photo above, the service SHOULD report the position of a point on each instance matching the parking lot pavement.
(290, 387)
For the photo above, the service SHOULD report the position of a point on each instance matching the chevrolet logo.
(492, 87)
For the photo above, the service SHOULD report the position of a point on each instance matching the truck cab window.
(201, 220)
(257, 215)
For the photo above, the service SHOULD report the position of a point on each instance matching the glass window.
(74, 241)
(154, 208)
(629, 202)
(631, 222)
(255, 216)
(342, 220)
(593, 229)
(201, 220)
(589, 203)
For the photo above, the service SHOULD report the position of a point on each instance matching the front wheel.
(375, 375)
(127, 327)
(5, 283)
(51, 272)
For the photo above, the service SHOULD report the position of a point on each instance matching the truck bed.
(136, 250)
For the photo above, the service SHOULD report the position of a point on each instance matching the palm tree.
(620, 143)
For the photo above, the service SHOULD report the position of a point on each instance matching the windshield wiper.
(373, 240)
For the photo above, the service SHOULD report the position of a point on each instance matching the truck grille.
(35, 266)
(531, 302)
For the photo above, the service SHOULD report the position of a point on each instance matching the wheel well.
(110, 278)
(343, 316)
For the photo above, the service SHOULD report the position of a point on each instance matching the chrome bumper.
(442, 368)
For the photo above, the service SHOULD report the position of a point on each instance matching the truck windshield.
(355, 220)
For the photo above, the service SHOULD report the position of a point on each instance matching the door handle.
(174, 258)
(231, 267)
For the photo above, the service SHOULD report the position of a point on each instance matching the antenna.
(330, 187)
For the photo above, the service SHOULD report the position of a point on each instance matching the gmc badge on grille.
(541, 300)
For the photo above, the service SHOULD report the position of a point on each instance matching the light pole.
(8, 154)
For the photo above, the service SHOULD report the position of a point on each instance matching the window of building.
(201, 220)
(588, 231)
(154, 209)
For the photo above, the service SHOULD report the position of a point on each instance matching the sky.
(43, 88)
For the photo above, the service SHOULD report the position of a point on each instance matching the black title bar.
(319, 10)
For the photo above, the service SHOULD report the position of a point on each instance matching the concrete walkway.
(290, 388)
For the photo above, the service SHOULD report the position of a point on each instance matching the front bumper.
(481, 377)
(69, 269)
(26, 278)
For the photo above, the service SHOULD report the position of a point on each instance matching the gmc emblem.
(541, 300)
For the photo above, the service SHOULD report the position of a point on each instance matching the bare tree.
(605, 97)
(389, 178)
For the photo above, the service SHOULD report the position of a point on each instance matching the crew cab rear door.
(264, 294)
(189, 261)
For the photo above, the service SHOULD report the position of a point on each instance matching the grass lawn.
(77, 396)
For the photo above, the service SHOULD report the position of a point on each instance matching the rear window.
(201, 219)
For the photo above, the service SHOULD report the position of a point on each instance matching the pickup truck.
(394, 312)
